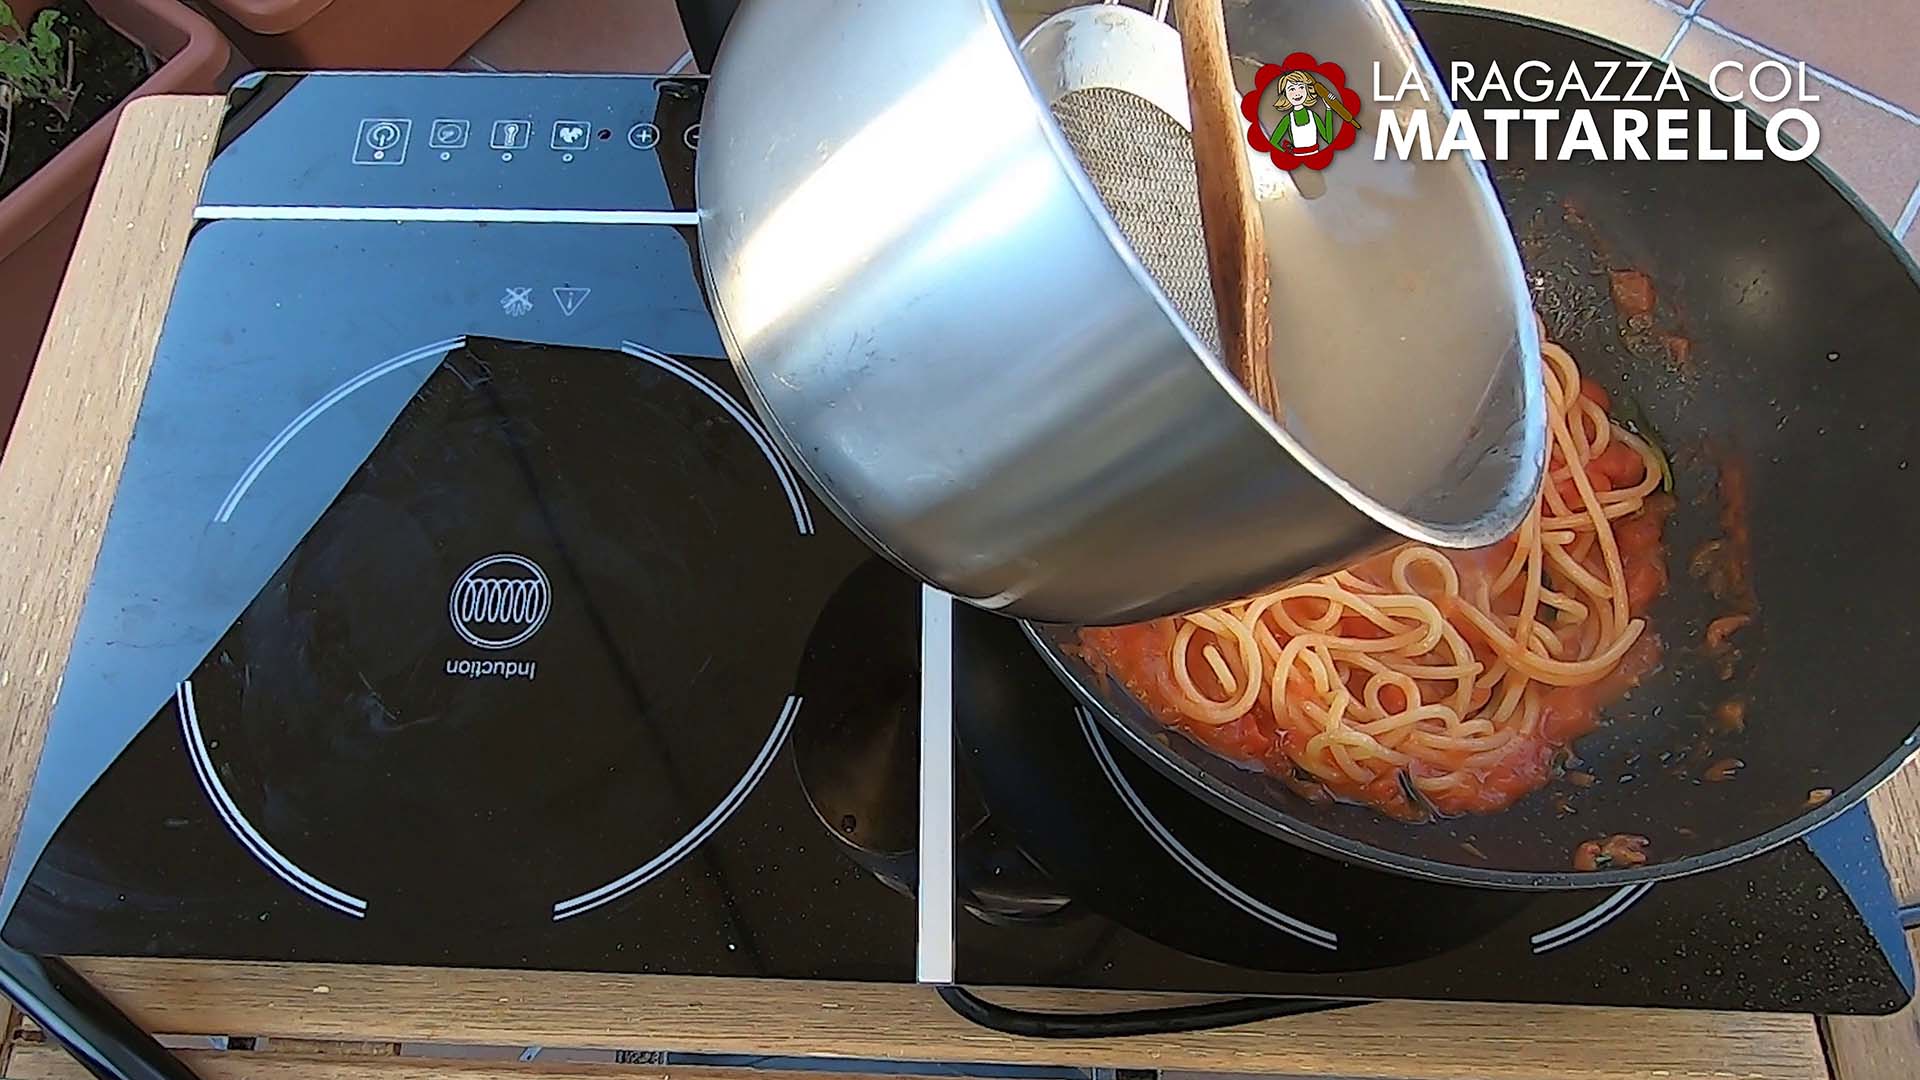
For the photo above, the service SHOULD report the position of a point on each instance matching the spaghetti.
(1424, 681)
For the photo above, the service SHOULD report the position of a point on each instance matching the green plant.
(35, 62)
(35, 65)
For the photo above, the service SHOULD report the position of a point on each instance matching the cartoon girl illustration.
(1303, 129)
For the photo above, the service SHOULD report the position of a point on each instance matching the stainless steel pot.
(951, 334)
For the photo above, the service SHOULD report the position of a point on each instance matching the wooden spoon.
(1236, 242)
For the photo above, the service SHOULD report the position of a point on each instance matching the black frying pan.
(1803, 318)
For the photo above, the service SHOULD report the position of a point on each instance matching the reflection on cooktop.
(499, 634)
(1160, 890)
(537, 663)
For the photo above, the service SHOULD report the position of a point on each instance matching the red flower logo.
(1307, 136)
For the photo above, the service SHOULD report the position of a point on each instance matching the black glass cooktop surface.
(528, 690)
(629, 592)
(454, 606)
(454, 609)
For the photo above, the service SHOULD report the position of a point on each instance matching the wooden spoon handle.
(1236, 243)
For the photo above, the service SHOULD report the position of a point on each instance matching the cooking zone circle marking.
(661, 863)
(802, 517)
(500, 601)
(313, 411)
(1601, 914)
(1211, 878)
(242, 829)
(789, 484)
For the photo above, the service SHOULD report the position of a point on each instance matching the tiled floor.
(1859, 52)
(1875, 151)
(1642, 25)
(585, 35)
(1859, 58)
(1867, 42)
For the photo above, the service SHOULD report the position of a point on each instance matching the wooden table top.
(56, 483)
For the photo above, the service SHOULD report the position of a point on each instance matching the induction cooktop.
(456, 609)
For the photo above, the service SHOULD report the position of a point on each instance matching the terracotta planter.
(40, 219)
(356, 33)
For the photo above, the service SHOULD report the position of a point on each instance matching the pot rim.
(1487, 529)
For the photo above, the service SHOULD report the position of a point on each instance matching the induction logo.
(500, 601)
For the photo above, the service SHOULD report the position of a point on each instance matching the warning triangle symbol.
(570, 297)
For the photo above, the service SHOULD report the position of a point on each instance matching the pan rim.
(1281, 825)
(1400, 519)
(1262, 818)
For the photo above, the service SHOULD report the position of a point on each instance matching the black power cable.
(83, 1021)
(1228, 1012)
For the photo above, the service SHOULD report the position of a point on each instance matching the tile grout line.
(1830, 79)
(1687, 15)
(1905, 223)
(1679, 8)
(1666, 54)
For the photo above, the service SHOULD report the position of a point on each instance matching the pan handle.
(706, 23)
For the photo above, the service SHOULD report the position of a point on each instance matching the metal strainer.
(965, 284)
(1113, 80)
(1141, 162)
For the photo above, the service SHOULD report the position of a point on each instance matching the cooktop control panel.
(449, 140)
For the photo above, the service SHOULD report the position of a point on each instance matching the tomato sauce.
(1633, 294)
(1616, 852)
(1137, 655)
